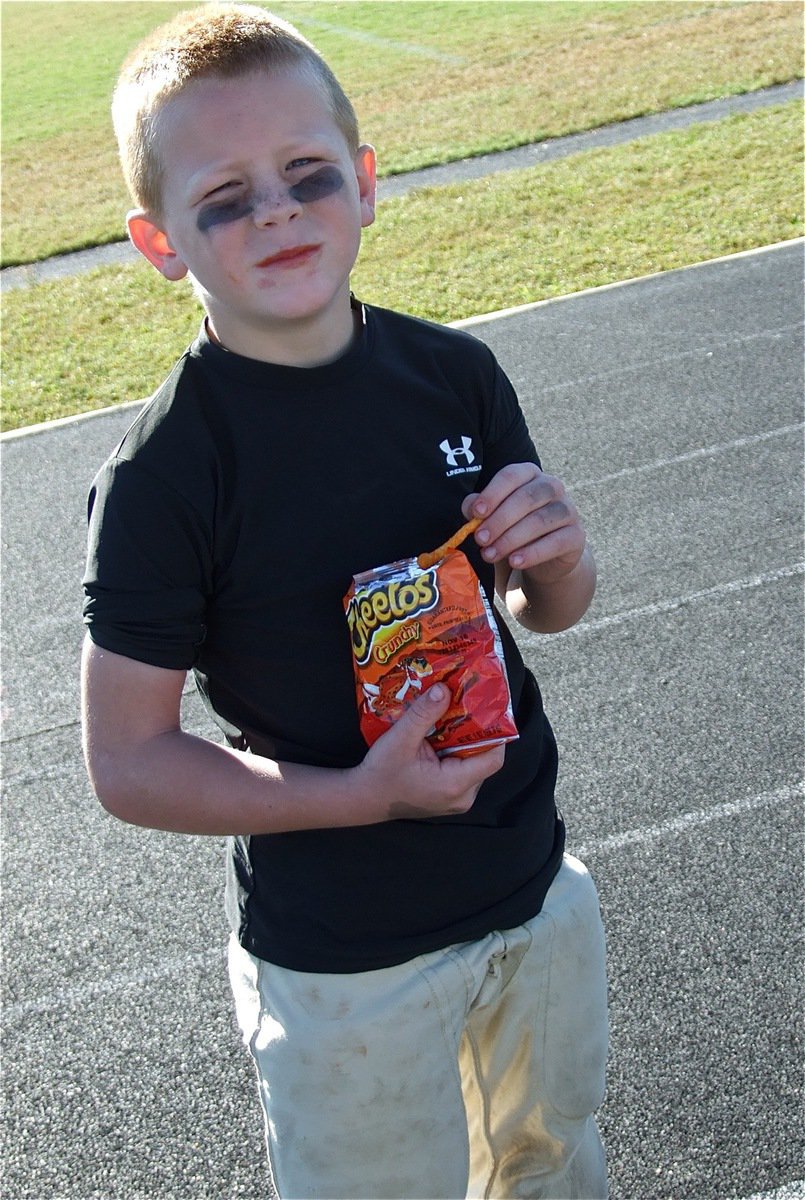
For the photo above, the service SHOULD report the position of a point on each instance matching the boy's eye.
(222, 187)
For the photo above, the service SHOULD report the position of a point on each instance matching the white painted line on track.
(113, 984)
(660, 464)
(640, 838)
(675, 602)
(705, 351)
(789, 1191)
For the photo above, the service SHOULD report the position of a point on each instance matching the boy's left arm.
(531, 531)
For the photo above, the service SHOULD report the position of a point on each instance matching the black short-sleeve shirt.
(224, 532)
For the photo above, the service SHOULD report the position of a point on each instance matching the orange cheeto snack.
(413, 626)
(432, 556)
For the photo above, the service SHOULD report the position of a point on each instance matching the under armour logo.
(451, 452)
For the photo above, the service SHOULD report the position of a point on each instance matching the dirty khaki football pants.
(472, 1071)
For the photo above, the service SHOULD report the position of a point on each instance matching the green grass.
(431, 82)
(651, 205)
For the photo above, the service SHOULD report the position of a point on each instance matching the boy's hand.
(529, 523)
(403, 773)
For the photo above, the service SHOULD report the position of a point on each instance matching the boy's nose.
(274, 205)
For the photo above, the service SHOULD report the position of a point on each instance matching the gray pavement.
(672, 406)
(118, 253)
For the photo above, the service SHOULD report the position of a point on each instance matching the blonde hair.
(224, 40)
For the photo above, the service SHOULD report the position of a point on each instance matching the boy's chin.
(307, 306)
(293, 331)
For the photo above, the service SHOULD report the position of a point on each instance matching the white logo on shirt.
(453, 453)
(450, 452)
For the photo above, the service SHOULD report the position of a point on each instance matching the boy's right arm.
(146, 770)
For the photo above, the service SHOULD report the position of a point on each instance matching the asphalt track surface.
(672, 406)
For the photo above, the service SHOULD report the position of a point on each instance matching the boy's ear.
(154, 244)
(366, 171)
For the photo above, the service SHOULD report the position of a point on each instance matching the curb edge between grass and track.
(462, 323)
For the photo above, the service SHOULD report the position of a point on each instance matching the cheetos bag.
(411, 627)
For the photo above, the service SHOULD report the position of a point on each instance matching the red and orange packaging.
(412, 626)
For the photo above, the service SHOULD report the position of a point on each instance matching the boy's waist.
(357, 900)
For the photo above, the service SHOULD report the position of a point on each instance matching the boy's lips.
(291, 256)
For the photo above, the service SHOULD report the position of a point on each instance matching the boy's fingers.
(469, 773)
(501, 486)
(420, 717)
(417, 722)
(467, 506)
(536, 508)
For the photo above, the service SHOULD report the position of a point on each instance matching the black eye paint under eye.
(324, 182)
(222, 214)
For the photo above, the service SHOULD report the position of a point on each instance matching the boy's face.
(263, 205)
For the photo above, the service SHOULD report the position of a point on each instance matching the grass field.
(676, 198)
(432, 82)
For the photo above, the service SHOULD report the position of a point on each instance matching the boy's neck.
(293, 344)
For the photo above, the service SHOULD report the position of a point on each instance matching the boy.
(417, 967)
